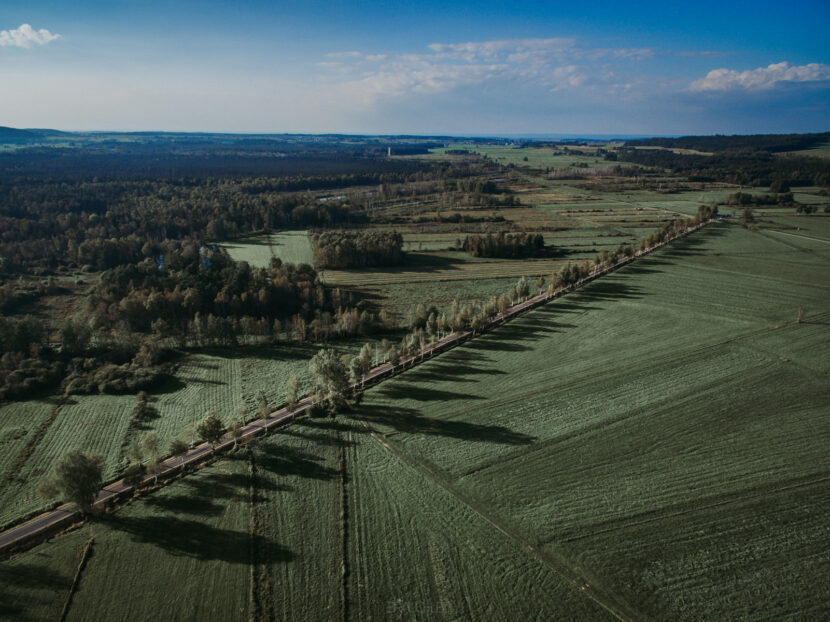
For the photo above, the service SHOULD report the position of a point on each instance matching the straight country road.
(18, 537)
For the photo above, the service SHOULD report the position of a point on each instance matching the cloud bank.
(550, 64)
(26, 37)
(763, 78)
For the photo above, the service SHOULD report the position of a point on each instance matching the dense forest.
(105, 223)
(757, 169)
(181, 295)
(771, 143)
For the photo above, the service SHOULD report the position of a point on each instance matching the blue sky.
(406, 67)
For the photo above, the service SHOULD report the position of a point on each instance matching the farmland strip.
(260, 575)
(644, 363)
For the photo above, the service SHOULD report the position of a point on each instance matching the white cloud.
(549, 65)
(762, 78)
(472, 51)
(26, 37)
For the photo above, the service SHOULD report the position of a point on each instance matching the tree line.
(337, 379)
(505, 245)
(357, 249)
(754, 169)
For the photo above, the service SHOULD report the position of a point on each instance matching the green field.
(289, 246)
(653, 444)
(261, 535)
(622, 424)
(573, 231)
(538, 157)
(224, 381)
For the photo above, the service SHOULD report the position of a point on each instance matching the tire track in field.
(778, 279)
(788, 360)
(800, 235)
(698, 505)
(643, 364)
(800, 249)
(344, 529)
(576, 576)
(656, 407)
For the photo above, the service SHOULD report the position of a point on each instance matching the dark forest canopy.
(755, 169)
(140, 155)
(772, 143)
(102, 223)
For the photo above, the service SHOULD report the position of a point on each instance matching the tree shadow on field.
(410, 421)
(252, 241)
(692, 244)
(424, 260)
(607, 289)
(448, 371)
(168, 383)
(143, 420)
(196, 539)
(422, 394)
(318, 438)
(281, 460)
(491, 344)
(30, 579)
(186, 504)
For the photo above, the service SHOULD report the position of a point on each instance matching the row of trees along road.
(337, 379)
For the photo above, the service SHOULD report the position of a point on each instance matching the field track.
(27, 534)
(576, 576)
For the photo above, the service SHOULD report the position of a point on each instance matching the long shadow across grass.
(203, 493)
(197, 539)
(411, 421)
(29, 578)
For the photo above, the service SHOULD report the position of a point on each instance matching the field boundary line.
(76, 580)
(746, 495)
(575, 576)
(798, 235)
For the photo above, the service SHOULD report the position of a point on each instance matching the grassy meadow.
(289, 246)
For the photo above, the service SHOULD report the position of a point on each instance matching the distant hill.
(15, 134)
(770, 143)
